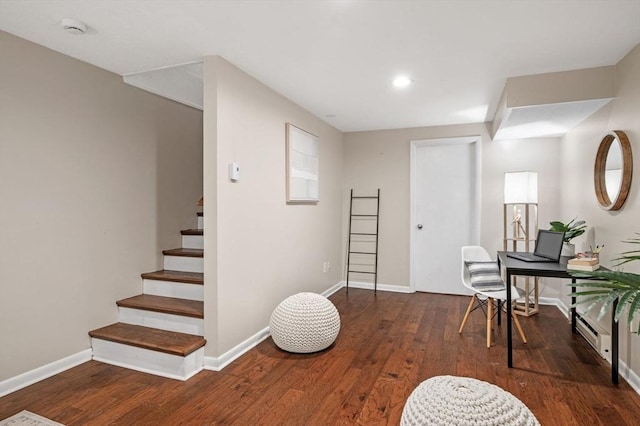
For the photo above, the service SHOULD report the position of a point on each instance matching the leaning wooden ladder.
(375, 216)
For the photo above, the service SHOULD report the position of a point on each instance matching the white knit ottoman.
(450, 400)
(304, 323)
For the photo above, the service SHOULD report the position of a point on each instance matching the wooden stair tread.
(175, 276)
(184, 252)
(167, 305)
(192, 232)
(169, 342)
(200, 213)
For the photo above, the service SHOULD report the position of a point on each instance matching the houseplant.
(616, 285)
(571, 230)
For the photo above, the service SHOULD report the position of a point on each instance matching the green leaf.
(600, 284)
(627, 297)
(634, 308)
(595, 299)
(606, 305)
(557, 226)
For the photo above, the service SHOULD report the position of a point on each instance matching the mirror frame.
(600, 167)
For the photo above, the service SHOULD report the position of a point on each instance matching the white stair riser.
(173, 289)
(193, 242)
(184, 264)
(148, 361)
(169, 322)
(200, 222)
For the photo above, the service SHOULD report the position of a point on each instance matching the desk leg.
(509, 342)
(614, 344)
(573, 309)
(499, 310)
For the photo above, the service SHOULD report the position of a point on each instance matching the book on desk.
(588, 264)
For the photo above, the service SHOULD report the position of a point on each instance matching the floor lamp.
(521, 217)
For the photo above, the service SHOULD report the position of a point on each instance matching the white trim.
(476, 141)
(30, 377)
(552, 301)
(629, 375)
(217, 364)
(333, 289)
(381, 287)
(623, 369)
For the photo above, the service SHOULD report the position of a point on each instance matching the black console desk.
(552, 270)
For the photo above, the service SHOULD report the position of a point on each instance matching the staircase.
(161, 331)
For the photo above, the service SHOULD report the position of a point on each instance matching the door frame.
(413, 230)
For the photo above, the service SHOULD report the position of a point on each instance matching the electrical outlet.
(326, 267)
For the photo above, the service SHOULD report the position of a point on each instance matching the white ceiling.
(337, 58)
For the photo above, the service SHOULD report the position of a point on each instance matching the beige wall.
(96, 177)
(558, 87)
(535, 155)
(263, 250)
(381, 159)
(579, 149)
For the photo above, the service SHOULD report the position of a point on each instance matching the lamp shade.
(520, 187)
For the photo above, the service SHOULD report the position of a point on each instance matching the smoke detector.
(73, 26)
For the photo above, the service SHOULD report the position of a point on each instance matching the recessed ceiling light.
(73, 26)
(402, 81)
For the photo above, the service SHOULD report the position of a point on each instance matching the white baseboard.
(552, 301)
(333, 289)
(218, 363)
(381, 287)
(30, 377)
(623, 369)
(630, 376)
(562, 307)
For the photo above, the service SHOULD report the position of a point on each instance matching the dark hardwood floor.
(388, 344)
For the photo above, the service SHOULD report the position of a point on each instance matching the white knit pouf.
(304, 323)
(450, 400)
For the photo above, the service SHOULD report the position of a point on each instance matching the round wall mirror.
(613, 170)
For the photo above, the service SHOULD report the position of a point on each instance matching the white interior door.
(445, 212)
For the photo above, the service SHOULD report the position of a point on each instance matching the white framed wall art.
(303, 149)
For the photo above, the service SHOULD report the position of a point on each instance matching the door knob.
(419, 226)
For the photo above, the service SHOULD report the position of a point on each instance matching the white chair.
(487, 286)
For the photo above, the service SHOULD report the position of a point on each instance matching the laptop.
(548, 248)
